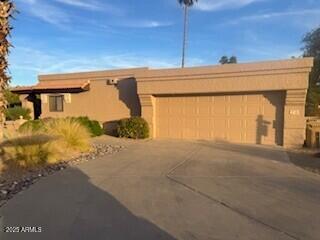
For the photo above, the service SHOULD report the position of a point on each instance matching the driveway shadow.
(306, 161)
(67, 206)
(265, 152)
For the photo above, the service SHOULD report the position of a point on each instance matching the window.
(56, 103)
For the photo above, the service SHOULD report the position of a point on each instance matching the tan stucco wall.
(140, 89)
(103, 102)
(96, 75)
(290, 76)
(27, 104)
(265, 76)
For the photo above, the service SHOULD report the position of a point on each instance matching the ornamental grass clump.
(32, 126)
(40, 143)
(71, 136)
(26, 150)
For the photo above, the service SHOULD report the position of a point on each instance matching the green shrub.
(15, 113)
(11, 98)
(33, 126)
(134, 127)
(93, 126)
(96, 128)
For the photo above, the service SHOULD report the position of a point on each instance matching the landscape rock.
(4, 192)
(10, 188)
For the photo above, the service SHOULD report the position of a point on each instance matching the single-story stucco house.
(259, 103)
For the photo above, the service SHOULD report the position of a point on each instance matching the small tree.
(312, 49)
(224, 60)
(233, 59)
(11, 98)
(227, 60)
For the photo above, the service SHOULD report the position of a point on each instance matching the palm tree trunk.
(185, 35)
(6, 9)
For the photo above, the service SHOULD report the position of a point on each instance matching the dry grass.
(2, 167)
(61, 139)
(24, 150)
(71, 135)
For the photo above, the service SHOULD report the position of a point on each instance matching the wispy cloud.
(61, 17)
(255, 47)
(46, 12)
(89, 5)
(93, 5)
(271, 15)
(215, 5)
(142, 23)
(267, 51)
(44, 62)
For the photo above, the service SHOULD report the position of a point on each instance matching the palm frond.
(188, 3)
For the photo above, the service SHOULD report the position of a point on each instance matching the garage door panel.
(249, 118)
(189, 133)
(235, 137)
(251, 137)
(189, 111)
(204, 111)
(205, 124)
(253, 98)
(251, 121)
(220, 109)
(236, 98)
(236, 124)
(236, 109)
(175, 111)
(190, 123)
(175, 122)
(190, 100)
(269, 111)
(220, 124)
(163, 111)
(253, 109)
(235, 130)
(206, 99)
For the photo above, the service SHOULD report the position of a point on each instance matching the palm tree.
(6, 11)
(186, 4)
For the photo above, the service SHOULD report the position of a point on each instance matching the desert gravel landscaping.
(13, 183)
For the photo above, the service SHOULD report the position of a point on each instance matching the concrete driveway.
(173, 190)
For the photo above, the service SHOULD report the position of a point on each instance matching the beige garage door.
(250, 118)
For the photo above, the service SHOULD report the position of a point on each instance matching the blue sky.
(53, 36)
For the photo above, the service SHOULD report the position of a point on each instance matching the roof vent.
(112, 81)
